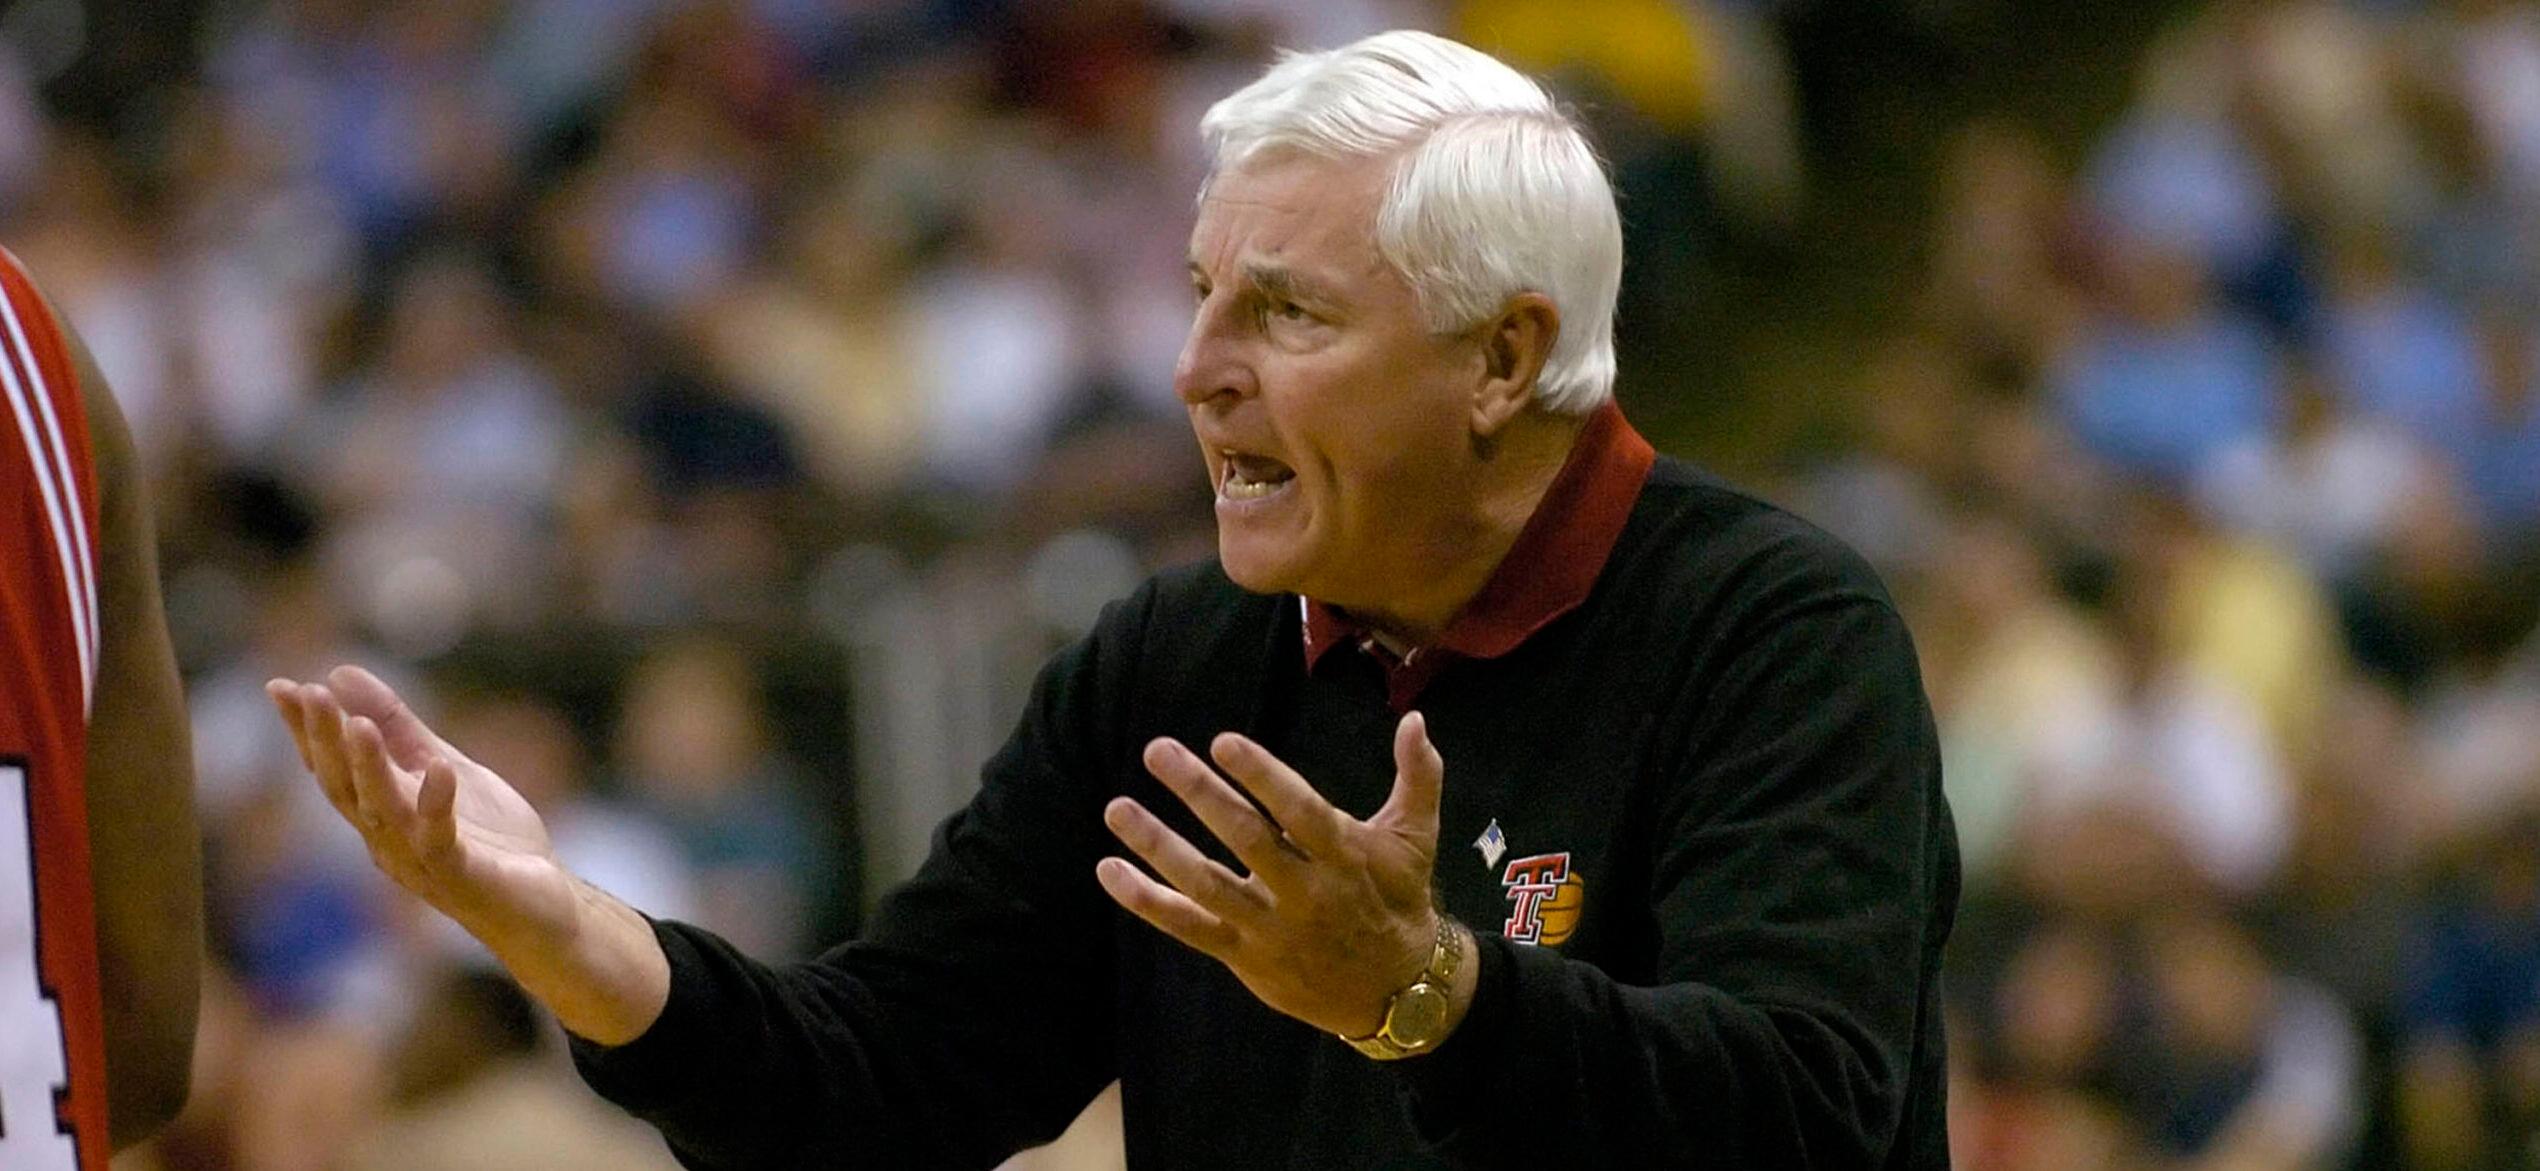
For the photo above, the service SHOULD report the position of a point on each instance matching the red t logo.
(1529, 881)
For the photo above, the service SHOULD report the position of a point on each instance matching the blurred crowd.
(2207, 465)
(714, 409)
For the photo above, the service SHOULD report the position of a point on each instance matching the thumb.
(411, 744)
(1418, 780)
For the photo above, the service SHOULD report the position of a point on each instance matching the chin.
(1259, 566)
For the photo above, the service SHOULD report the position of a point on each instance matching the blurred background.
(717, 408)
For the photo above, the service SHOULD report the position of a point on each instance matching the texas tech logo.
(1544, 899)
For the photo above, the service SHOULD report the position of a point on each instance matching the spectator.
(2258, 1070)
(469, 1088)
(2397, 352)
(697, 750)
(2333, 489)
(2174, 377)
(2472, 1010)
(2502, 467)
(630, 845)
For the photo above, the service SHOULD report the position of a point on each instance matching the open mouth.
(1252, 477)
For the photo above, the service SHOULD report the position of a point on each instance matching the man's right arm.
(975, 1020)
(606, 982)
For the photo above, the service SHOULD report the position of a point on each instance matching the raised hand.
(1336, 914)
(437, 823)
(447, 829)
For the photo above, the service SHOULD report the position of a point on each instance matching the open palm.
(440, 825)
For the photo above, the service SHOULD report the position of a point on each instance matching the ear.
(1515, 346)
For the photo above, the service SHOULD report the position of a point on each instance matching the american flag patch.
(1492, 844)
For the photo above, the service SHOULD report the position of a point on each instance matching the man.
(100, 888)
(1657, 874)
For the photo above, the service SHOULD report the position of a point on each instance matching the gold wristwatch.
(1415, 1018)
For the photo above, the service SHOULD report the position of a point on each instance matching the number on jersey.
(34, 1065)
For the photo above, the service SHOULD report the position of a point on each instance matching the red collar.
(1545, 575)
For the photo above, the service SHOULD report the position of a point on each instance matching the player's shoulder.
(11, 264)
(25, 298)
(37, 340)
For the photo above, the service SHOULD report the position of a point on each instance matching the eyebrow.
(1276, 280)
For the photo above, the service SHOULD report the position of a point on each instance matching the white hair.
(1495, 191)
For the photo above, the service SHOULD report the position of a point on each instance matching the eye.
(1286, 310)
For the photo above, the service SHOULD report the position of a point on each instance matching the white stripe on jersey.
(86, 589)
(69, 536)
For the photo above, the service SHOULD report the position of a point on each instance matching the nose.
(1212, 365)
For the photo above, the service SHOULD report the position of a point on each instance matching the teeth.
(1239, 488)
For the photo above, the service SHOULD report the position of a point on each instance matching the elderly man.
(1506, 795)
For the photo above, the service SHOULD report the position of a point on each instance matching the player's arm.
(142, 840)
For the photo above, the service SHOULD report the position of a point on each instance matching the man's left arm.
(1803, 882)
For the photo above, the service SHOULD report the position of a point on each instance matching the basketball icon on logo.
(1560, 913)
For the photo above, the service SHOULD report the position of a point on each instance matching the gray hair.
(1495, 192)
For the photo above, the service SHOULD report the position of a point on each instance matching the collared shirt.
(1546, 574)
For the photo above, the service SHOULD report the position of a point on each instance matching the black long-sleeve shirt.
(1709, 792)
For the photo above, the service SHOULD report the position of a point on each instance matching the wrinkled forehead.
(1298, 210)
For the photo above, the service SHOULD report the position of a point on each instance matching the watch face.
(1417, 1017)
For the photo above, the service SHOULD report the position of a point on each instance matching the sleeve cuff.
(663, 1064)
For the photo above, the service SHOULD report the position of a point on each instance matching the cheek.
(1359, 424)
(1386, 470)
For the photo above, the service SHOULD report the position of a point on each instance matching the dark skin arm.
(144, 850)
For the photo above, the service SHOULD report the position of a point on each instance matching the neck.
(1447, 566)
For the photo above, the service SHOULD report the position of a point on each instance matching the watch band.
(1415, 1015)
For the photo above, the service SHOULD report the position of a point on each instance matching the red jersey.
(52, 1028)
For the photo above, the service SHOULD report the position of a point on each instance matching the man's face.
(1336, 426)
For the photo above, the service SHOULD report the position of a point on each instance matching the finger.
(1165, 909)
(298, 706)
(327, 758)
(436, 802)
(1419, 778)
(377, 782)
(1254, 839)
(410, 742)
(286, 701)
(1309, 820)
(1173, 856)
